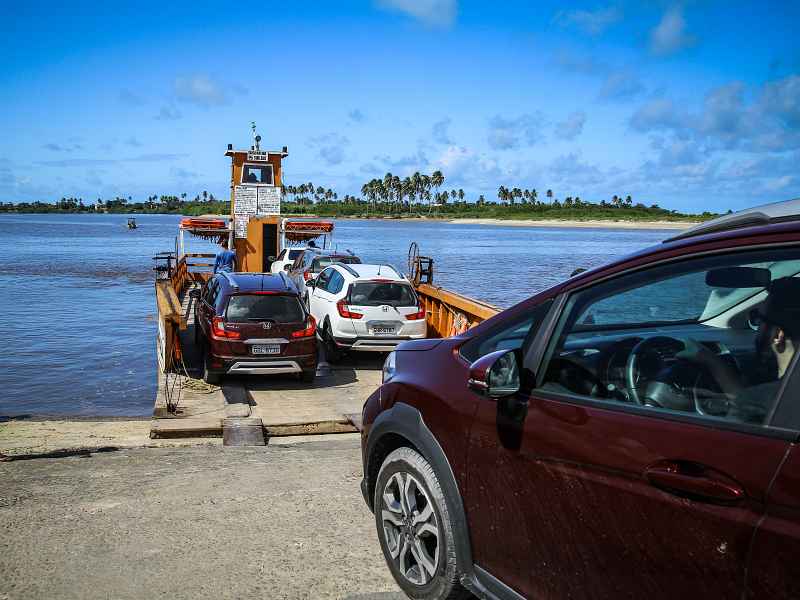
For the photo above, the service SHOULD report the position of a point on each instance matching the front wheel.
(415, 529)
(209, 376)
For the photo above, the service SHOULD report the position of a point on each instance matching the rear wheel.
(415, 529)
(308, 376)
(332, 352)
(208, 375)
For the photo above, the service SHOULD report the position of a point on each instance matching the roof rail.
(230, 279)
(392, 267)
(349, 269)
(775, 212)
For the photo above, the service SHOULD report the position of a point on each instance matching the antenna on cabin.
(256, 137)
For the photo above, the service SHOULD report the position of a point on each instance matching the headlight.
(389, 368)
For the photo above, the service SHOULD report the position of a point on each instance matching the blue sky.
(693, 105)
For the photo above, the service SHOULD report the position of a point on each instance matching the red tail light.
(307, 275)
(420, 314)
(311, 329)
(218, 330)
(345, 312)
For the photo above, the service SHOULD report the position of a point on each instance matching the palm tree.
(460, 195)
(550, 195)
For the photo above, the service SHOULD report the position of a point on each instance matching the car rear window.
(375, 293)
(326, 261)
(293, 254)
(264, 307)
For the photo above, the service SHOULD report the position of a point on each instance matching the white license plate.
(383, 330)
(266, 349)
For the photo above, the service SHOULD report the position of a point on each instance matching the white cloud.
(465, 166)
(168, 113)
(437, 13)
(440, 131)
(670, 35)
(330, 147)
(357, 115)
(200, 90)
(593, 22)
(572, 126)
(620, 85)
(508, 133)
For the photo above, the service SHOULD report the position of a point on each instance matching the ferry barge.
(258, 232)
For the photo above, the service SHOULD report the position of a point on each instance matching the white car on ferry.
(365, 308)
(286, 257)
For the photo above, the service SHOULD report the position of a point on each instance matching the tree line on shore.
(419, 195)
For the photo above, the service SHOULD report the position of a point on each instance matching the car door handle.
(694, 480)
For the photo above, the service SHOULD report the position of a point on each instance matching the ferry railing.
(447, 313)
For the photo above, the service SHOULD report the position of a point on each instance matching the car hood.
(419, 345)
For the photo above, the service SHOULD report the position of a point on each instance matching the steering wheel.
(632, 365)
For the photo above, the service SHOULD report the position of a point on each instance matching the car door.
(592, 494)
(319, 297)
(773, 572)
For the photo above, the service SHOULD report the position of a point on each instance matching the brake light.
(307, 275)
(311, 329)
(218, 330)
(345, 311)
(420, 314)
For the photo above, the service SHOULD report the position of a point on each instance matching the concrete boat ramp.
(278, 405)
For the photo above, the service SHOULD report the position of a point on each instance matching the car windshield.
(378, 293)
(320, 263)
(686, 299)
(264, 307)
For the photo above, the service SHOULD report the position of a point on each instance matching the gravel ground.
(282, 521)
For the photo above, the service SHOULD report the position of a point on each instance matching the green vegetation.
(421, 195)
(201, 205)
(416, 196)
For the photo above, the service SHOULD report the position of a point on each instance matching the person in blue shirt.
(226, 259)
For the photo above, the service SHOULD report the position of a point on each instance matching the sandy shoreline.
(578, 224)
(590, 224)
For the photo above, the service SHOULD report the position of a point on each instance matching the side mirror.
(271, 259)
(495, 375)
(194, 294)
(311, 283)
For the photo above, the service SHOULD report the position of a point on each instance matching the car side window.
(511, 335)
(336, 283)
(323, 279)
(712, 336)
(210, 289)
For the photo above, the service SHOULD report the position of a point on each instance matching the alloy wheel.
(410, 528)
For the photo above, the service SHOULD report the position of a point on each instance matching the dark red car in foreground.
(254, 324)
(630, 433)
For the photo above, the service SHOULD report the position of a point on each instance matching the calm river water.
(79, 328)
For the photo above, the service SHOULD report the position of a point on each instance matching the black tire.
(332, 353)
(308, 376)
(440, 580)
(209, 376)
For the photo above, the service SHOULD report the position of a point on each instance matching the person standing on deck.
(226, 259)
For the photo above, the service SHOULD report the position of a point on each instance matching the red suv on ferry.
(254, 324)
(629, 433)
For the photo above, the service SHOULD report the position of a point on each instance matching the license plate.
(383, 330)
(266, 349)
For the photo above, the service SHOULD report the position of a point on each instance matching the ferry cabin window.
(711, 337)
(257, 174)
